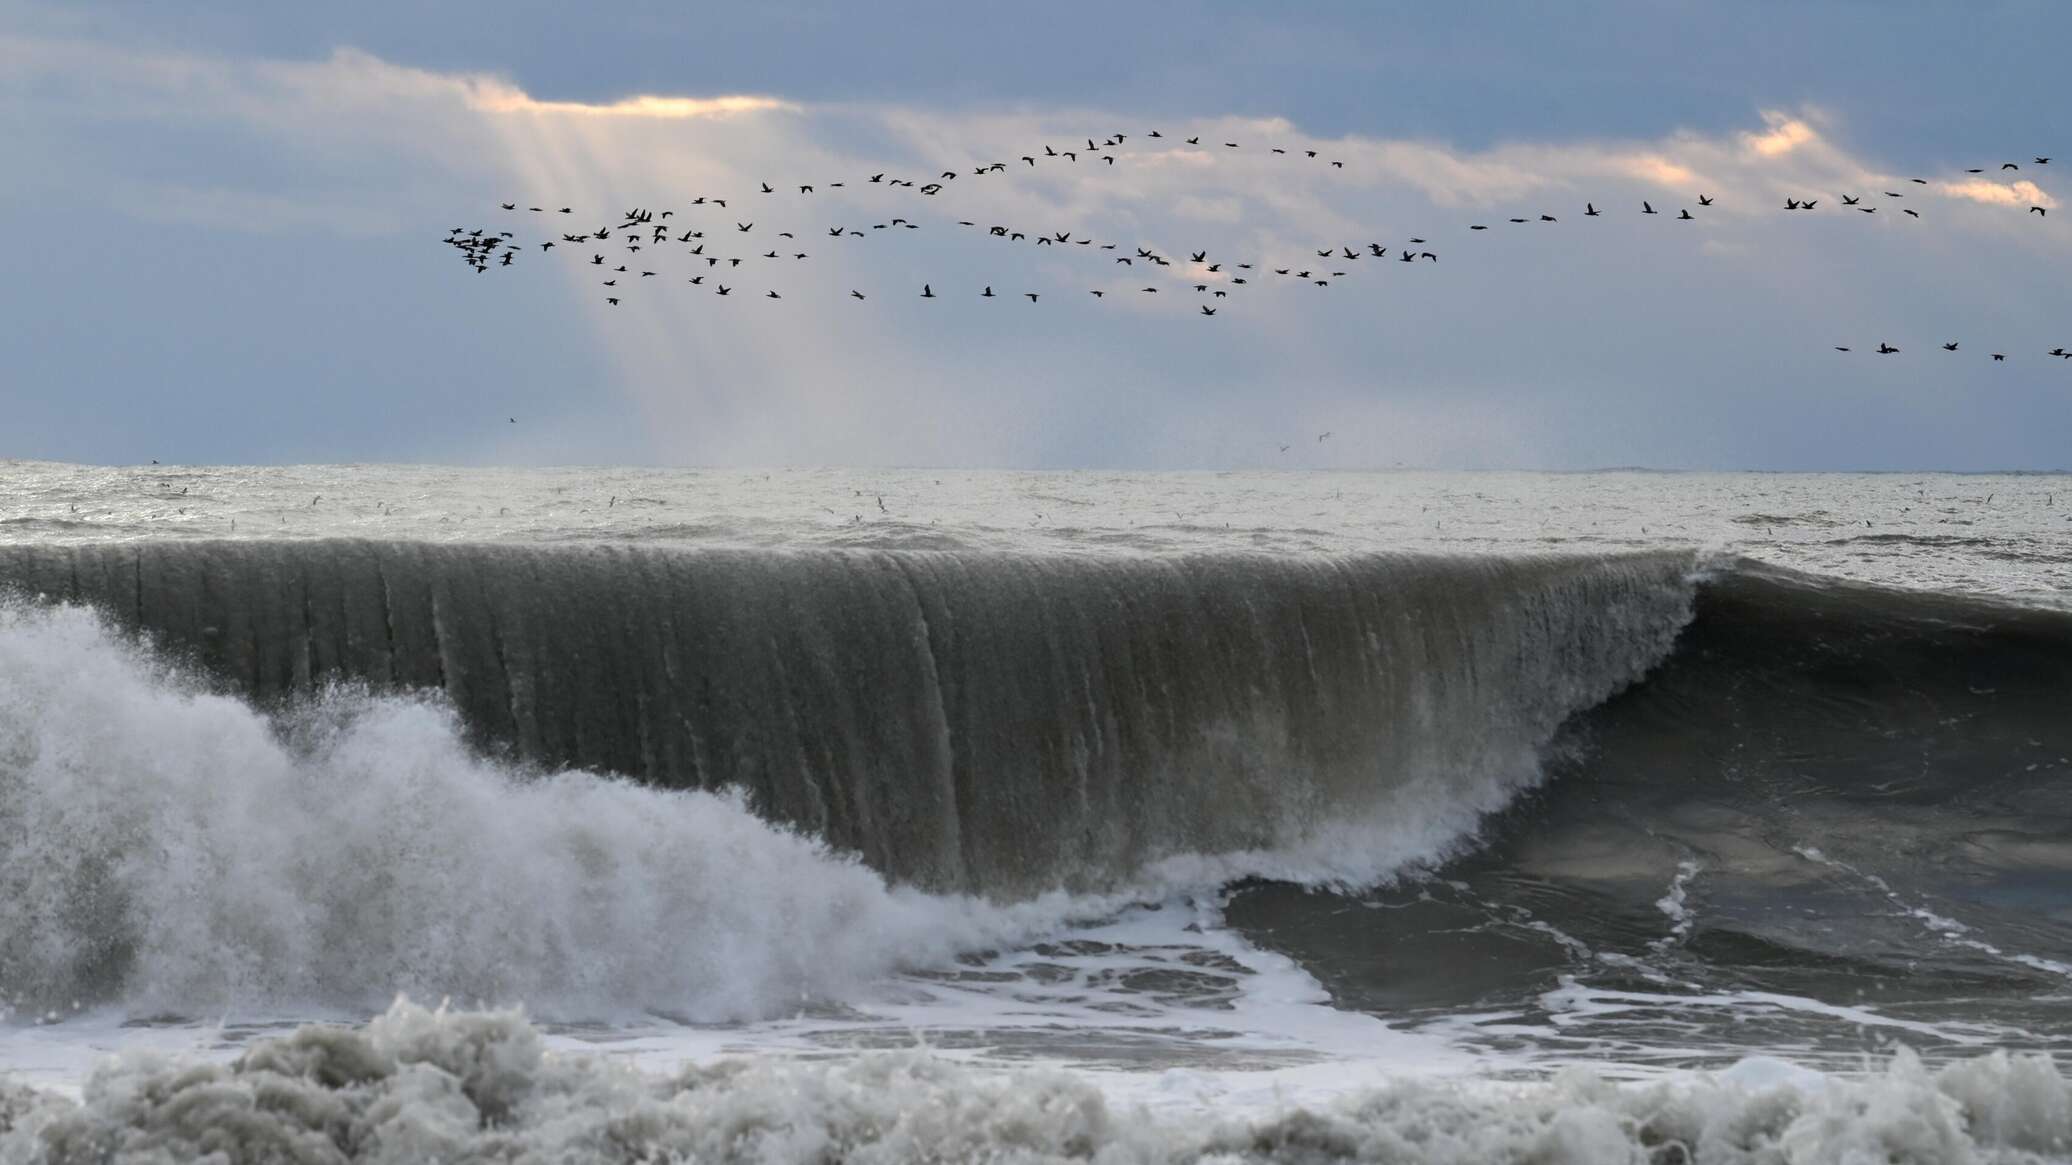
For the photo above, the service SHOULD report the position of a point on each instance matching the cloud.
(2021, 194)
(1784, 135)
(498, 98)
(374, 148)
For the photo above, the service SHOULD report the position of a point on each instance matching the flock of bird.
(615, 249)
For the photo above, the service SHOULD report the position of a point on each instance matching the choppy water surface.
(1238, 791)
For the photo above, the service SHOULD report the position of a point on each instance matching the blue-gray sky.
(222, 220)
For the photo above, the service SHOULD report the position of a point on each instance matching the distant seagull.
(1646, 208)
(927, 292)
(1850, 200)
(2043, 161)
(2036, 210)
(1886, 349)
(1589, 210)
(1207, 310)
(1950, 347)
(1999, 355)
(856, 295)
(1322, 435)
(1705, 200)
(1683, 214)
(1839, 348)
(514, 420)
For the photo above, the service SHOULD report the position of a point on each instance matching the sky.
(224, 219)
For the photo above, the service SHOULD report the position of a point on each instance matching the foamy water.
(191, 872)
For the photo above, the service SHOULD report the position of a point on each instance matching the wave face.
(1002, 724)
(1828, 792)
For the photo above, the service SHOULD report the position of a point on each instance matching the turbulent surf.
(1133, 796)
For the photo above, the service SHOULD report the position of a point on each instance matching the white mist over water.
(175, 850)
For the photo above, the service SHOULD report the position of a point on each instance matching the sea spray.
(170, 848)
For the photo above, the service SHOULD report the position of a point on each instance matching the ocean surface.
(392, 813)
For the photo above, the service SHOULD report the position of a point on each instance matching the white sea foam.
(417, 1085)
(183, 853)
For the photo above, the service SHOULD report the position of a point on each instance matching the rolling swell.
(987, 722)
(1828, 791)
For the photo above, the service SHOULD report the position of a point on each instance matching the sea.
(394, 813)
